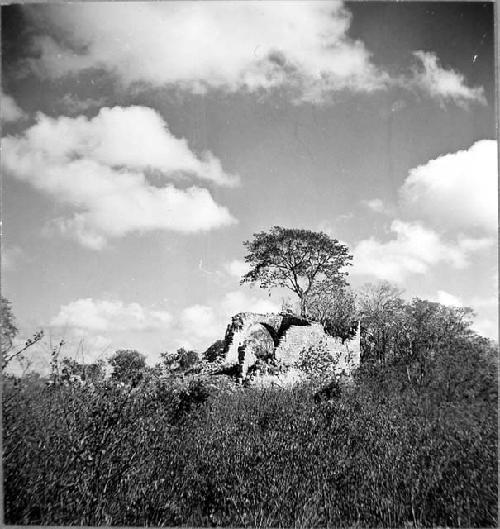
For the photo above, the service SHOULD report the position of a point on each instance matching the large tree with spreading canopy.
(295, 259)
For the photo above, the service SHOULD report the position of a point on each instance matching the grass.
(167, 453)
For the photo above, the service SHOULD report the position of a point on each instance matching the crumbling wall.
(252, 338)
(297, 339)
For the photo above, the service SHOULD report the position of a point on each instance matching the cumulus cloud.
(443, 84)
(237, 268)
(445, 298)
(413, 249)
(486, 327)
(456, 190)
(9, 109)
(109, 316)
(245, 45)
(104, 167)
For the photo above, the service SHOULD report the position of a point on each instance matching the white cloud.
(109, 316)
(200, 323)
(457, 190)
(445, 298)
(443, 84)
(246, 45)
(413, 250)
(375, 205)
(237, 268)
(231, 46)
(9, 109)
(486, 327)
(102, 167)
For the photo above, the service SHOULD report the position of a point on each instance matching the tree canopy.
(128, 365)
(295, 259)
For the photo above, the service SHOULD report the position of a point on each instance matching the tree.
(128, 366)
(9, 332)
(334, 307)
(93, 372)
(214, 352)
(381, 311)
(431, 329)
(9, 329)
(295, 259)
(182, 360)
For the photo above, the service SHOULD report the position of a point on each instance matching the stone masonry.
(262, 339)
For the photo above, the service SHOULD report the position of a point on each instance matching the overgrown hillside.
(387, 449)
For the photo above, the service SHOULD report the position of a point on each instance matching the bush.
(382, 452)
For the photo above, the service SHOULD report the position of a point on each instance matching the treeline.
(411, 440)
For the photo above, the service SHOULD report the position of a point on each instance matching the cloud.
(201, 325)
(249, 46)
(457, 190)
(445, 298)
(442, 84)
(486, 327)
(109, 316)
(237, 268)
(413, 250)
(73, 104)
(246, 45)
(9, 109)
(375, 205)
(104, 167)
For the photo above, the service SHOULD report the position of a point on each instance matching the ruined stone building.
(260, 340)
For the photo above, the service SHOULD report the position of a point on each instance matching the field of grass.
(176, 453)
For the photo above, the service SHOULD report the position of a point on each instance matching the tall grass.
(167, 453)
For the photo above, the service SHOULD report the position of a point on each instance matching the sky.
(142, 143)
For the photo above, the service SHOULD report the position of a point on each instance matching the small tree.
(214, 352)
(9, 332)
(334, 307)
(9, 329)
(93, 372)
(295, 259)
(384, 325)
(128, 366)
(182, 360)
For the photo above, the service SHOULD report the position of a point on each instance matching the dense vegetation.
(411, 440)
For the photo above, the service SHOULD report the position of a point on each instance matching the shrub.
(384, 452)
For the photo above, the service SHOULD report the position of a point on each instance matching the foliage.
(182, 360)
(411, 440)
(295, 259)
(334, 307)
(173, 453)
(9, 329)
(214, 352)
(316, 363)
(128, 366)
(393, 330)
(93, 372)
(9, 332)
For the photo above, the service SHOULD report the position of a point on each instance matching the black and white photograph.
(249, 264)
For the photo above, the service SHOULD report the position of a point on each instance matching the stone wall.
(297, 339)
(266, 338)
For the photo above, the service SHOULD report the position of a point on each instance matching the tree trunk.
(303, 306)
